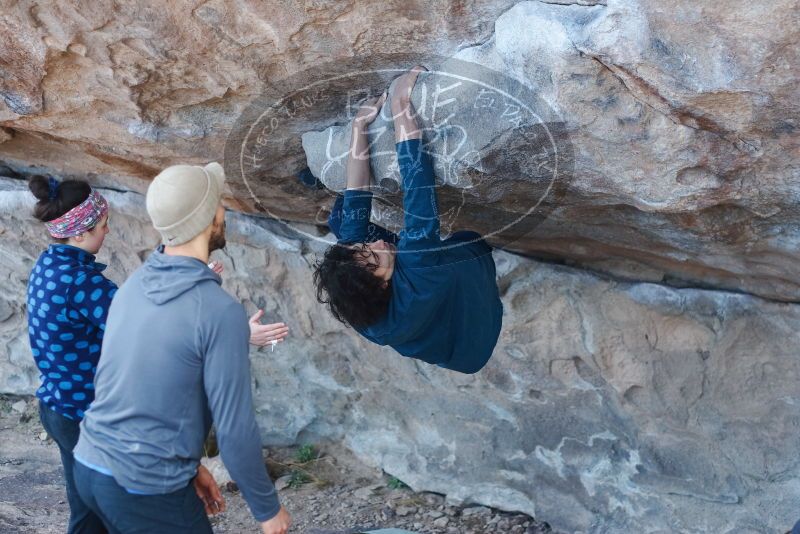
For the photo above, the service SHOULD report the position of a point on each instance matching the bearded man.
(174, 361)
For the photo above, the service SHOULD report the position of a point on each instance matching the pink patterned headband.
(79, 219)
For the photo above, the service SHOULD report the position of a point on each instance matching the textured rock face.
(607, 407)
(121, 90)
(683, 120)
(685, 145)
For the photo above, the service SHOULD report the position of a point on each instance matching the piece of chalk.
(273, 343)
(211, 265)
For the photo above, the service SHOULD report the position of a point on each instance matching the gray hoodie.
(174, 358)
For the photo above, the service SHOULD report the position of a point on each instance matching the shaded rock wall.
(607, 406)
(684, 137)
(121, 89)
(683, 120)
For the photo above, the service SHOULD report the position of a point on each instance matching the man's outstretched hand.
(260, 334)
(208, 491)
(264, 334)
(278, 524)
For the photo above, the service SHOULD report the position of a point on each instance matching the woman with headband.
(68, 301)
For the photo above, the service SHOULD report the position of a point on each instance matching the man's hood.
(168, 277)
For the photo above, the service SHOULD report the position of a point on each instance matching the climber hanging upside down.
(430, 299)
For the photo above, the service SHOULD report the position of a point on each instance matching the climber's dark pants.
(65, 433)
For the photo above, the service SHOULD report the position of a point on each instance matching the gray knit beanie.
(182, 200)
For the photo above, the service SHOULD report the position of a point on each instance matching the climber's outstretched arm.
(358, 171)
(403, 113)
(350, 217)
(355, 232)
(420, 206)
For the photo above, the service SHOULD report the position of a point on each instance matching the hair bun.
(57, 199)
(40, 187)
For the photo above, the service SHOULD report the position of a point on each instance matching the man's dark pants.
(65, 433)
(179, 512)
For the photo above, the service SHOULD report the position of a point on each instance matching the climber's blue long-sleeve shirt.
(445, 307)
(68, 301)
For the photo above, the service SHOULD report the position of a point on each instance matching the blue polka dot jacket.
(68, 301)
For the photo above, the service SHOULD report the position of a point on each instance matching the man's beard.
(217, 240)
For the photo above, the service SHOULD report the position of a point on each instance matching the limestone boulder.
(120, 90)
(682, 120)
(646, 376)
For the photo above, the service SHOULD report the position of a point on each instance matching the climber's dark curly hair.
(349, 286)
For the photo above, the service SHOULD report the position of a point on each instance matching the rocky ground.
(327, 491)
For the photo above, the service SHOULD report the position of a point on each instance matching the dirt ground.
(325, 489)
